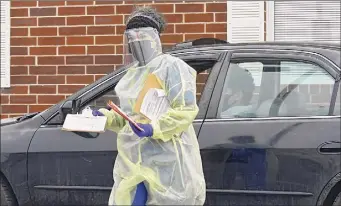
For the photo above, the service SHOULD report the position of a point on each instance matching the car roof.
(328, 50)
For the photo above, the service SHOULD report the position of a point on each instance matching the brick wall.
(58, 47)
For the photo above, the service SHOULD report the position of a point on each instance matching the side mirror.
(70, 107)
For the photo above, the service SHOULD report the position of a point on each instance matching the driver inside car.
(238, 93)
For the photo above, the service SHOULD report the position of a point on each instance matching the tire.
(7, 196)
(337, 201)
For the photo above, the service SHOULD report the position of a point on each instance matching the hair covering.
(146, 17)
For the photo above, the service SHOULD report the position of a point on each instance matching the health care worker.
(160, 165)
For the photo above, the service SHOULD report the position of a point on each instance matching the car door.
(68, 168)
(264, 139)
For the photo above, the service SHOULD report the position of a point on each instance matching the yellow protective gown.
(169, 162)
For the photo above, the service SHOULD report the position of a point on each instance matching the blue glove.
(97, 113)
(148, 130)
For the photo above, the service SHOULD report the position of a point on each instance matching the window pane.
(241, 90)
(307, 87)
(274, 88)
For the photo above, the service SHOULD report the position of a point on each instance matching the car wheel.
(337, 201)
(7, 195)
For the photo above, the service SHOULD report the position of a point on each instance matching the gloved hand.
(147, 130)
(97, 113)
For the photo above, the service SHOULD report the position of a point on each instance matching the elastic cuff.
(156, 130)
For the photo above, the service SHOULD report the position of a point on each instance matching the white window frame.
(6, 56)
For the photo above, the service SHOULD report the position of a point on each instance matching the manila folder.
(151, 83)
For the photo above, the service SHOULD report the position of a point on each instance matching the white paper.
(155, 104)
(83, 123)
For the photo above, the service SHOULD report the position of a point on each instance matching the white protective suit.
(169, 162)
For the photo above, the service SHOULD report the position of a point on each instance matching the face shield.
(141, 45)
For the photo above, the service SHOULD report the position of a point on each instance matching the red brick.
(216, 27)
(164, 8)
(13, 109)
(23, 99)
(100, 30)
(79, 79)
(222, 36)
(190, 28)
(16, 90)
(4, 99)
(71, 50)
(171, 38)
(77, 2)
(108, 59)
(43, 31)
(51, 41)
(52, 79)
(120, 29)
(19, 32)
(69, 89)
(23, 79)
(69, 31)
(187, 8)
(119, 49)
(51, 21)
(37, 108)
(124, 9)
(170, 29)
(66, 11)
(50, 60)
(42, 70)
(18, 70)
(22, 60)
(51, 3)
(19, 12)
(43, 50)
(71, 69)
(216, 7)
(4, 116)
(23, 41)
(101, 49)
(199, 17)
(19, 51)
(80, 40)
(50, 99)
(79, 60)
(43, 12)
(174, 18)
(98, 2)
(43, 89)
(94, 10)
(109, 39)
(220, 17)
(23, 22)
(23, 3)
(99, 69)
(97, 77)
(83, 20)
(117, 19)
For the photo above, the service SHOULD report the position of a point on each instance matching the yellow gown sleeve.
(114, 121)
(180, 86)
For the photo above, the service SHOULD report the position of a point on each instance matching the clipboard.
(151, 82)
(81, 123)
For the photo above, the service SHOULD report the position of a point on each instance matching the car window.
(337, 107)
(101, 101)
(265, 88)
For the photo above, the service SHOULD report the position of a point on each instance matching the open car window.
(203, 67)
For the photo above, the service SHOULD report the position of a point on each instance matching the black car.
(268, 129)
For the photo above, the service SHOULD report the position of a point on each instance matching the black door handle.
(332, 147)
